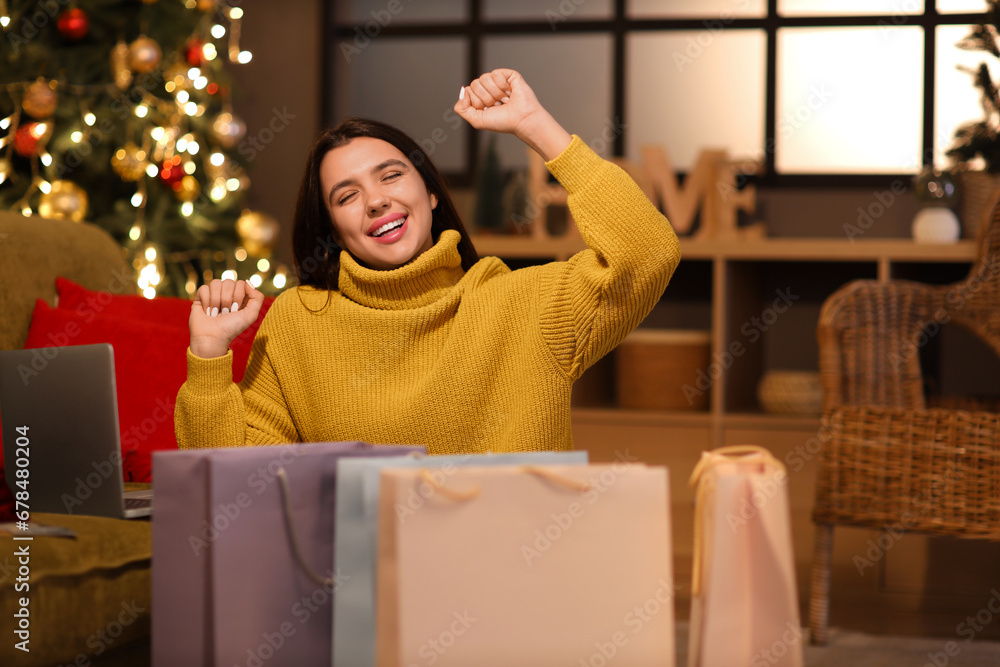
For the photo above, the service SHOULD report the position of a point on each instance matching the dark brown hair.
(317, 258)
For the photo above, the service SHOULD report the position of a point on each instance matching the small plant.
(981, 139)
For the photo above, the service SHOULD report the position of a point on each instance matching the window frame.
(474, 28)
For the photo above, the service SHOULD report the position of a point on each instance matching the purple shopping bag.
(242, 542)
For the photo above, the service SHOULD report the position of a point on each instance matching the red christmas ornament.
(193, 53)
(73, 24)
(172, 171)
(26, 138)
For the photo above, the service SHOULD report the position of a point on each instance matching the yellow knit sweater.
(428, 354)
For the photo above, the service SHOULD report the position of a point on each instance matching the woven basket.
(663, 369)
(935, 471)
(791, 392)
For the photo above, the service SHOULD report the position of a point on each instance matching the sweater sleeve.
(592, 301)
(213, 411)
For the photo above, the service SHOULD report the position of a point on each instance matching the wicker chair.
(889, 459)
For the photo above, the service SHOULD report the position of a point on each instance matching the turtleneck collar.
(419, 283)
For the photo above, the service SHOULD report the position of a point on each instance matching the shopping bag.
(242, 547)
(744, 605)
(356, 530)
(525, 565)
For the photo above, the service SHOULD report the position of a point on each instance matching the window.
(821, 92)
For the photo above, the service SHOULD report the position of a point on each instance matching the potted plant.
(976, 145)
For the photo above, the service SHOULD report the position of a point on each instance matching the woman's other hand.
(221, 311)
(502, 101)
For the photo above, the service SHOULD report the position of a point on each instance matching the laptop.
(59, 422)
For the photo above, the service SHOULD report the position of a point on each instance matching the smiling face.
(379, 205)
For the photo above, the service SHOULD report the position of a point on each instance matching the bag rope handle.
(557, 478)
(729, 451)
(450, 494)
(462, 496)
(699, 481)
(286, 505)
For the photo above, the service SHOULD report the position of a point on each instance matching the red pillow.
(166, 310)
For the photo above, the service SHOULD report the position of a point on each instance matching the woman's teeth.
(389, 226)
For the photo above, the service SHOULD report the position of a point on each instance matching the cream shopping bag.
(525, 565)
(744, 606)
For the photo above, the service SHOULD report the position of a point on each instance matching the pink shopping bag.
(744, 606)
(525, 565)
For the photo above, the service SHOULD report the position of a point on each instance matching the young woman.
(398, 333)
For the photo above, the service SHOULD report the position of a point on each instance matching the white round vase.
(936, 224)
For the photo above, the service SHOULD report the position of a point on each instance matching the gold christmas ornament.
(120, 71)
(129, 162)
(64, 201)
(40, 99)
(228, 129)
(144, 55)
(188, 189)
(258, 232)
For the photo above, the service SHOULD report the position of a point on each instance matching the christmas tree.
(119, 113)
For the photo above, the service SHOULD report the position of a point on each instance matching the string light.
(218, 31)
(263, 265)
(241, 255)
(228, 274)
(278, 281)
